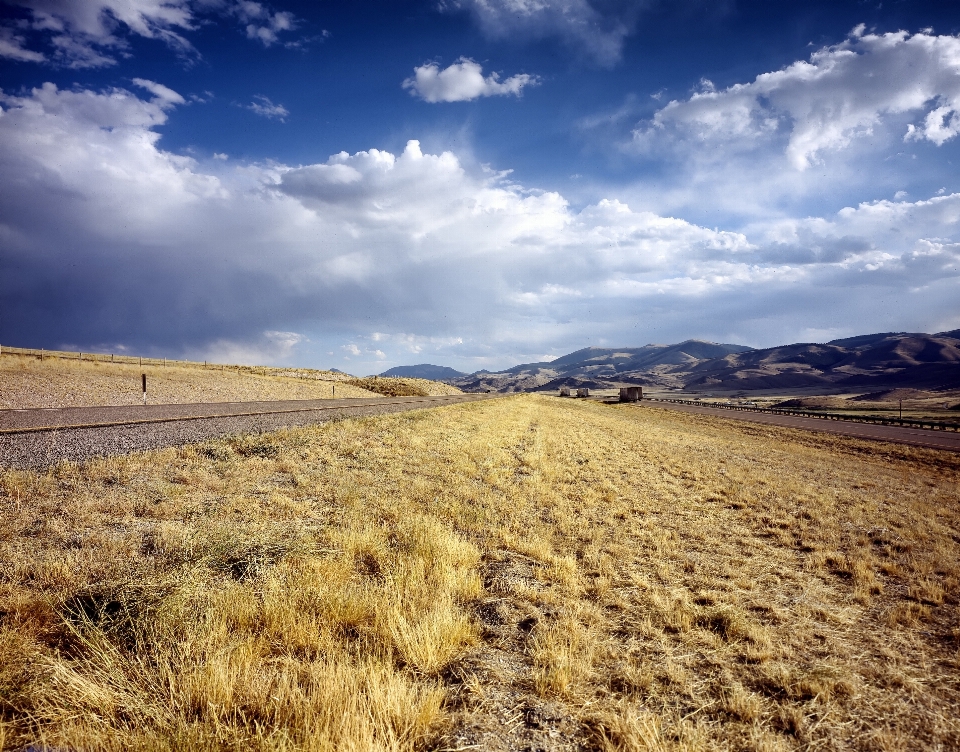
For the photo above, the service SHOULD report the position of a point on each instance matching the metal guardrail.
(936, 425)
(90, 357)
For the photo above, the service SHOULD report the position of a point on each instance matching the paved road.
(40, 437)
(923, 437)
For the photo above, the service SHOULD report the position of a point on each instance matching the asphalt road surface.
(40, 437)
(924, 437)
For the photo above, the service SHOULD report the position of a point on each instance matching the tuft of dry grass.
(520, 573)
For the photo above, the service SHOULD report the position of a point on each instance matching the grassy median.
(524, 572)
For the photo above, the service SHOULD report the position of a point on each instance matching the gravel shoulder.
(157, 426)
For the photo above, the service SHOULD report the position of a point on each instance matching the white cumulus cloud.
(462, 82)
(12, 47)
(164, 96)
(82, 33)
(89, 33)
(841, 94)
(143, 245)
(265, 108)
(263, 23)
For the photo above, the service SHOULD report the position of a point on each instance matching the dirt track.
(40, 437)
(923, 437)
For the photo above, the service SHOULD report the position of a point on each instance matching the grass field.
(29, 382)
(523, 573)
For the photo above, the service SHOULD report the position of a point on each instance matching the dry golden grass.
(520, 573)
(28, 382)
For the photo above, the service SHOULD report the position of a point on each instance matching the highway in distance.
(922, 437)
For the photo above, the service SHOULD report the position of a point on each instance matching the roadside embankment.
(27, 382)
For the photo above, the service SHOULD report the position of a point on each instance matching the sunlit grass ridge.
(54, 382)
(498, 573)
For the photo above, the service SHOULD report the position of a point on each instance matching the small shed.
(564, 391)
(583, 392)
(631, 393)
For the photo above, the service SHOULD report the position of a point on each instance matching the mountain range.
(424, 371)
(872, 361)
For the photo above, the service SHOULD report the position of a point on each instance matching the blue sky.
(473, 183)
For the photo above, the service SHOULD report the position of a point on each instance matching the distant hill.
(424, 371)
(887, 360)
(610, 361)
(602, 367)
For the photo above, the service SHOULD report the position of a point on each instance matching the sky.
(473, 183)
